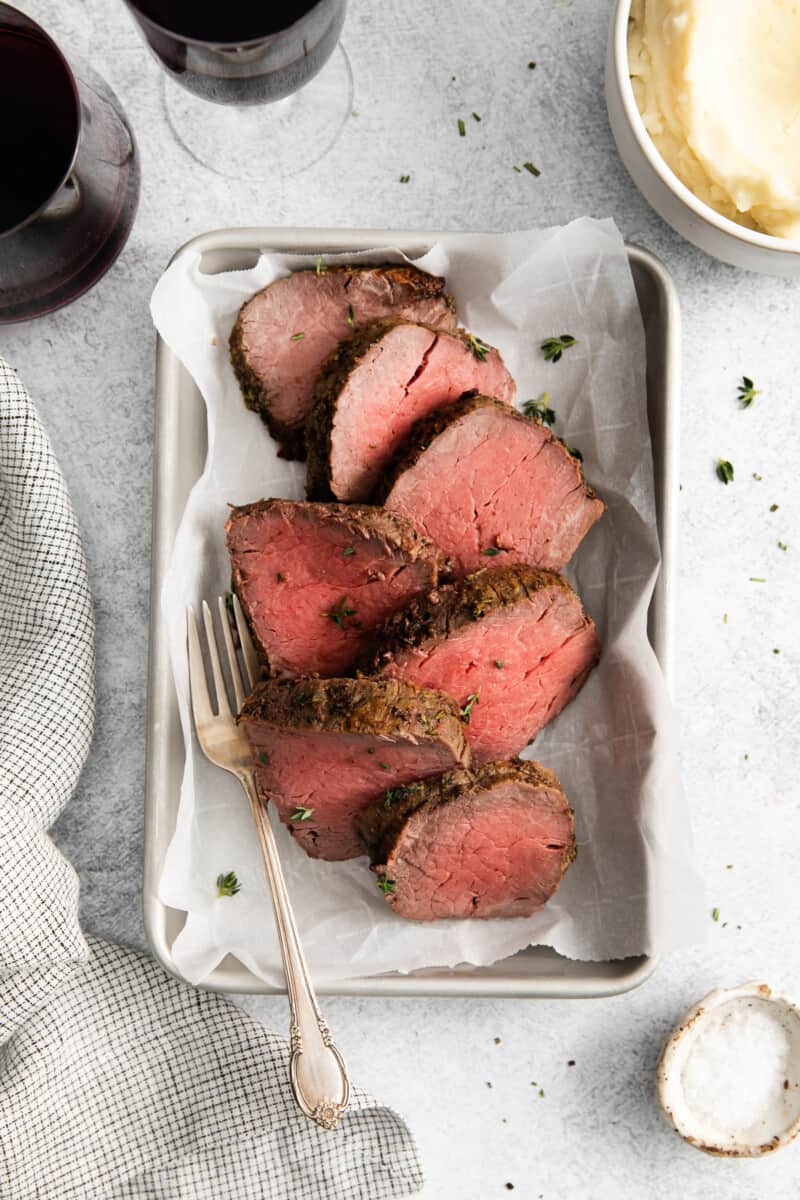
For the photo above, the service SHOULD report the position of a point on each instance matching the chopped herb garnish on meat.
(302, 814)
(341, 612)
(438, 716)
(492, 551)
(384, 766)
(553, 347)
(724, 471)
(478, 348)
(476, 116)
(462, 129)
(228, 598)
(405, 178)
(386, 885)
(782, 546)
(747, 392)
(281, 578)
(319, 267)
(297, 337)
(227, 884)
(351, 316)
(539, 408)
(715, 914)
(774, 507)
(472, 699)
(348, 551)
(498, 662)
(263, 757)
(532, 169)
(389, 797)
(576, 453)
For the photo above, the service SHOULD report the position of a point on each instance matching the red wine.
(41, 122)
(237, 51)
(223, 23)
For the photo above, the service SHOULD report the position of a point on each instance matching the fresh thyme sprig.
(302, 814)
(228, 884)
(386, 885)
(479, 349)
(341, 612)
(554, 347)
(472, 699)
(747, 392)
(540, 409)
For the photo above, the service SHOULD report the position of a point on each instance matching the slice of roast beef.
(494, 841)
(315, 580)
(284, 333)
(512, 645)
(372, 390)
(484, 481)
(324, 748)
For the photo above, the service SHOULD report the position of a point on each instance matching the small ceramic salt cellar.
(729, 1076)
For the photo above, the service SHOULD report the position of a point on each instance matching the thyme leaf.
(553, 347)
(724, 471)
(341, 612)
(462, 129)
(532, 169)
(227, 884)
(297, 337)
(747, 392)
(472, 699)
(302, 814)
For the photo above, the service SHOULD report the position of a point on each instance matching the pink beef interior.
(492, 480)
(405, 375)
(500, 853)
(298, 574)
(546, 648)
(335, 775)
(318, 306)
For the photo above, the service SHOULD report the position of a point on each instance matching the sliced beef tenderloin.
(512, 645)
(315, 580)
(493, 841)
(284, 333)
(484, 481)
(325, 748)
(372, 390)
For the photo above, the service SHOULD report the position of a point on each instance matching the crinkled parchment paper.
(633, 887)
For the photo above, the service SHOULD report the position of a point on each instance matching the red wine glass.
(71, 173)
(253, 91)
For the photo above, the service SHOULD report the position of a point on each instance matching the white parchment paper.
(633, 887)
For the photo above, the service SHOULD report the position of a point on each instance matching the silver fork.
(317, 1071)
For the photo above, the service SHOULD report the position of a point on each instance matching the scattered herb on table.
(341, 612)
(747, 392)
(302, 814)
(462, 129)
(724, 618)
(472, 699)
(354, 112)
(715, 914)
(227, 884)
(297, 337)
(541, 1092)
(497, 1041)
(782, 546)
(517, 169)
(386, 885)
(774, 507)
(531, 66)
(531, 169)
(757, 476)
(348, 551)
(540, 409)
(479, 349)
(405, 178)
(477, 116)
(757, 579)
(263, 757)
(498, 662)
(553, 347)
(776, 651)
(724, 470)
(575, 452)
(351, 316)
(729, 867)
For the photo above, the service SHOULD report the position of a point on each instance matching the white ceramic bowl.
(728, 1078)
(692, 218)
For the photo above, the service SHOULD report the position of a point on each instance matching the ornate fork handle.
(317, 1071)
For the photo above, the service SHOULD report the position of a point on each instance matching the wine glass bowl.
(71, 185)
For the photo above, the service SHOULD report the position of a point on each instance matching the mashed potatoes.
(718, 86)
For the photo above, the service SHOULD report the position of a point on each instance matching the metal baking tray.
(179, 456)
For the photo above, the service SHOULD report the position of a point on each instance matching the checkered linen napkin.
(115, 1080)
